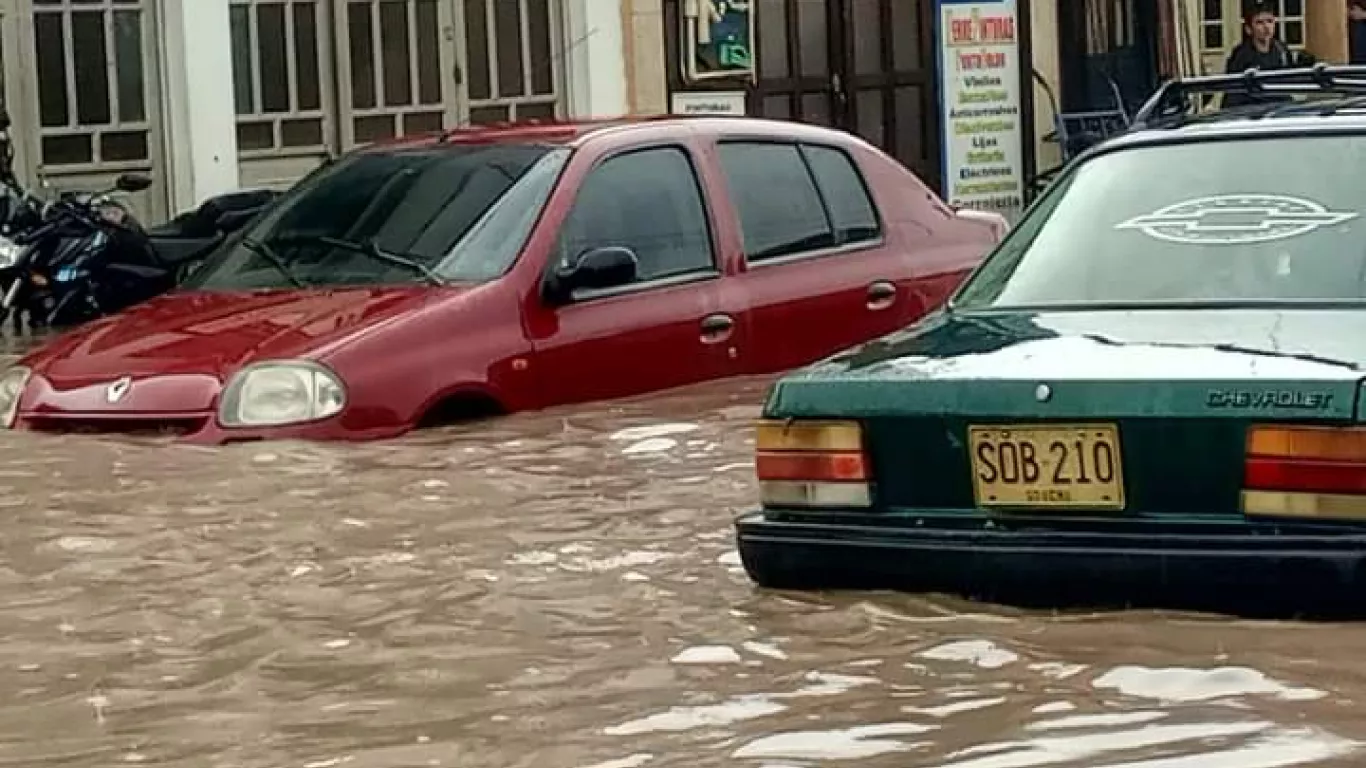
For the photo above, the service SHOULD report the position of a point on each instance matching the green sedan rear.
(1149, 395)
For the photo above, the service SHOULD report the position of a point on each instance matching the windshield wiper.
(266, 252)
(371, 248)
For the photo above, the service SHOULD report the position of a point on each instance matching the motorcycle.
(20, 213)
(91, 257)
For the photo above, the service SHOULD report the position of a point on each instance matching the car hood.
(216, 333)
(994, 363)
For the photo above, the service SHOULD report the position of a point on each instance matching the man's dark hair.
(1254, 8)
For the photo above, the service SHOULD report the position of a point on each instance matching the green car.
(1150, 394)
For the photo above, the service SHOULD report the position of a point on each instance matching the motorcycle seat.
(174, 251)
(208, 218)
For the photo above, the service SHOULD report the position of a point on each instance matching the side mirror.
(4, 119)
(133, 182)
(607, 267)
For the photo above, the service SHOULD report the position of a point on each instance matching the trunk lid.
(1166, 395)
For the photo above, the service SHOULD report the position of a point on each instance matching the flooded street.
(560, 590)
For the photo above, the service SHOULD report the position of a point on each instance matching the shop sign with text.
(979, 91)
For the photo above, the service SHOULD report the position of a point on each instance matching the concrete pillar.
(594, 65)
(1325, 31)
(197, 99)
(647, 71)
(1043, 42)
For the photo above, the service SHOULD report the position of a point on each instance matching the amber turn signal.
(797, 435)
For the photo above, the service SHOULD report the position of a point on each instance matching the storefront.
(209, 95)
(935, 83)
(1086, 50)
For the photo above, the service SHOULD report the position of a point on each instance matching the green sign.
(720, 39)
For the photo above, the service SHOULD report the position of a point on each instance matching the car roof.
(1336, 105)
(1317, 118)
(575, 133)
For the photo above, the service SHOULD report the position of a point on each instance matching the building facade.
(209, 95)
(1079, 47)
(866, 66)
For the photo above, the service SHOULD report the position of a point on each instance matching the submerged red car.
(500, 269)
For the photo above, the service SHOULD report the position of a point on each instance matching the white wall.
(595, 67)
(200, 118)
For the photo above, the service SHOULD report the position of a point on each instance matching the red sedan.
(509, 268)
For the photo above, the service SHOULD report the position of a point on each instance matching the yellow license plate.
(1059, 466)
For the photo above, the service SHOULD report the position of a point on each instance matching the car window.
(648, 201)
(463, 211)
(780, 210)
(852, 212)
(1246, 220)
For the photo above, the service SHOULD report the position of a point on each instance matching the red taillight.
(1316, 472)
(812, 464)
(836, 467)
(1301, 475)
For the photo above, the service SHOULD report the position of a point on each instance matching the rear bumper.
(1254, 572)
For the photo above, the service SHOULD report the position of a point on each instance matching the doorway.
(1109, 46)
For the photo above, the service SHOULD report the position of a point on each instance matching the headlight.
(281, 392)
(12, 383)
(9, 252)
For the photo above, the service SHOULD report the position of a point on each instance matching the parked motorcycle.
(91, 257)
(20, 213)
(185, 241)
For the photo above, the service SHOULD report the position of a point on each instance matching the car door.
(816, 273)
(678, 322)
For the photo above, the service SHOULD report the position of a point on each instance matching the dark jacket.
(1357, 35)
(1246, 56)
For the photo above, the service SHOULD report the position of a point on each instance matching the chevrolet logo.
(1236, 220)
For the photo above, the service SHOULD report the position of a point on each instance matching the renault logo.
(118, 389)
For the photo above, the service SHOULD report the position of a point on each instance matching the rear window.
(793, 200)
(1249, 220)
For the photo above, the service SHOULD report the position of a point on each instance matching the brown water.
(560, 590)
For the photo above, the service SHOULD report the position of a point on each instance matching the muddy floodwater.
(561, 590)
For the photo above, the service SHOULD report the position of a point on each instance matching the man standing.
(1260, 49)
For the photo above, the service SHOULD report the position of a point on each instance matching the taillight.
(812, 464)
(1312, 472)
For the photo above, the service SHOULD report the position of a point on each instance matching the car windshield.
(434, 214)
(1232, 221)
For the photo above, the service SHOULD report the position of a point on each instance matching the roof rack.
(1173, 98)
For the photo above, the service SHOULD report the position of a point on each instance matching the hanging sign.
(979, 66)
(718, 39)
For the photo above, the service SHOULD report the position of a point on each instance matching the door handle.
(881, 294)
(717, 328)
